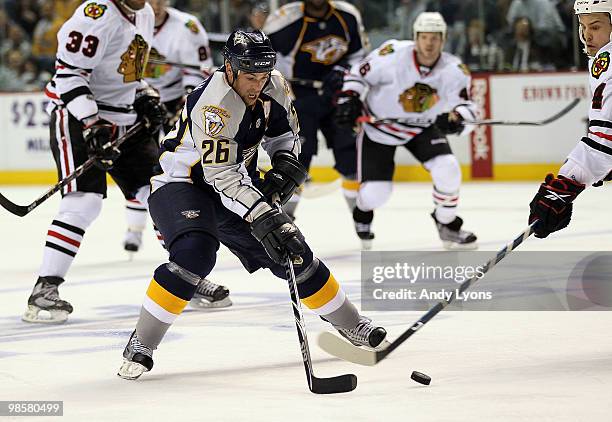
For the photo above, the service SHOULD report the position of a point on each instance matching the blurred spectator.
(481, 53)
(258, 15)
(63, 9)
(522, 54)
(44, 39)
(24, 13)
(15, 40)
(547, 26)
(406, 14)
(16, 75)
(4, 24)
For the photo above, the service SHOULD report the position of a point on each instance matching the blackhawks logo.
(600, 64)
(94, 10)
(133, 61)
(419, 98)
(214, 120)
(192, 26)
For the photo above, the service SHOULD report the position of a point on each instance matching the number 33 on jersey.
(101, 57)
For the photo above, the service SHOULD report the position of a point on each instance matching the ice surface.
(243, 363)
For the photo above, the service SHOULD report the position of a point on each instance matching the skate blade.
(203, 304)
(40, 316)
(454, 246)
(131, 370)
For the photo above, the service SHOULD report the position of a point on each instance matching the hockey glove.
(449, 123)
(286, 175)
(98, 138)
(333, 81)
(149, 107)
(348, 109)
(552, 205)
(278, 235)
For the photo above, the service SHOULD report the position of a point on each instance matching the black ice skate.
(210, 295)
(45, 305)
(453, 237)
(363, 227)
(137, 359)
(364, 334)
(364, 232)
(132, 241)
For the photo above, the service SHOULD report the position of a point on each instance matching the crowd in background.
(489, 35)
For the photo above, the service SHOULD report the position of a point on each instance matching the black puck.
(420, 377)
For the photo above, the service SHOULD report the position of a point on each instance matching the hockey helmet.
(585, 7)
(249, 51)
(429, 22)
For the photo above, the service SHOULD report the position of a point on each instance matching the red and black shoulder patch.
(94, 10)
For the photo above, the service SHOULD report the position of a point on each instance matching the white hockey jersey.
(392, 85)
(591, 160)
(214, 143)
(181, 38)
(100, 61)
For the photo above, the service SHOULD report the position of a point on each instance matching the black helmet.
(249, 51)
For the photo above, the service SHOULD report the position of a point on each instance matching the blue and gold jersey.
(308, 47)
(214, 143)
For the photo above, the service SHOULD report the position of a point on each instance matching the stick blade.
(13, 208)
(344, 350)
(317, 190)
(340, 384)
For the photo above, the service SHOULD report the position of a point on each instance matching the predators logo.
(133, 61)
(327, 50)
(192, 26)
(214, 120)
(94, 10)
(419, 98)
(156, 70)
(600, 64)
(387, 49)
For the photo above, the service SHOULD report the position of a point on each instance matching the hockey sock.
(136, 215)
(321, 293)
(350, 190)
(77, 211)
(446, 205)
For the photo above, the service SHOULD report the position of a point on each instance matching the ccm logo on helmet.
(263, 63)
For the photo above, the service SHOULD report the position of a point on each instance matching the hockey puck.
(420, 377)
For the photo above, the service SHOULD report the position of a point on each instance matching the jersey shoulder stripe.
(346, 7)
(283, 17)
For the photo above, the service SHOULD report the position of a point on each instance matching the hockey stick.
(343, 350)
(491, 122)
(21, 210)
(317, 190)
(338, 384)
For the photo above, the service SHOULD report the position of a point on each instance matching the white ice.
(243, 363)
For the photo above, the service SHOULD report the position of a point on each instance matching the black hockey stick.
(491, 122)
(21, 210)
(340, 348)
(339, 384)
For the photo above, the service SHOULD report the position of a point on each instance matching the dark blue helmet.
(249, 51)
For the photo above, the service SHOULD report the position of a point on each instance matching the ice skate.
(45, 305)
(365, 334)
(210, 295)
(364, 233)
(132, 241)
(137, 359)
(453, 237)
